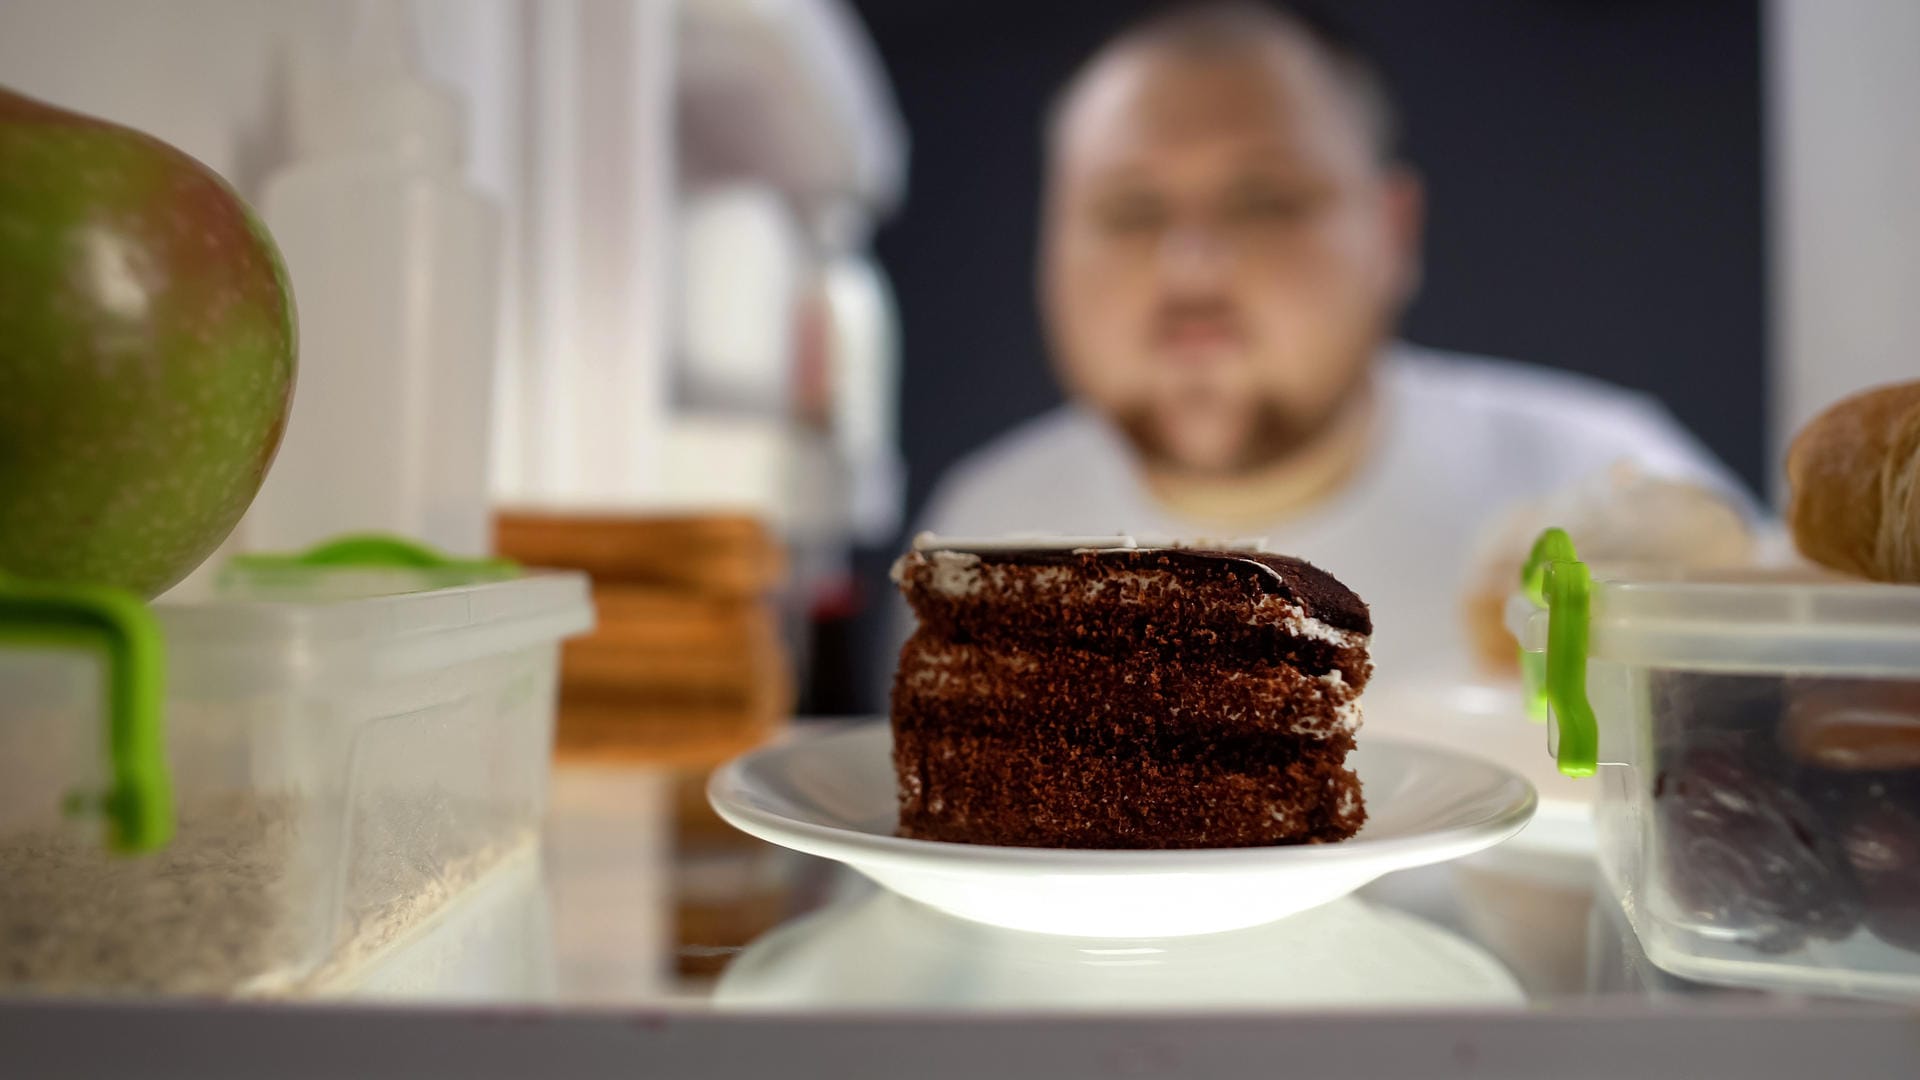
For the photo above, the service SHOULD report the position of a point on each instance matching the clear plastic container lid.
(1779, 621)
(1769, 622)
(278, 620)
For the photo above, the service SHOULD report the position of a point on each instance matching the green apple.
(146, 353)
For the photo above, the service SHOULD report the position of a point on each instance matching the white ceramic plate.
(831, 794)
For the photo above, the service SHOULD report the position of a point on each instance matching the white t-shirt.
(1462, 439)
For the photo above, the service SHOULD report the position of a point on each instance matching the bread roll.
(1622, 515)
(1854, 472)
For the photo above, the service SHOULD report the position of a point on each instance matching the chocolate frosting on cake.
(1320, 593)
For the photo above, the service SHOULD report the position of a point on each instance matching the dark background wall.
(1594, 179)
(1594, 174)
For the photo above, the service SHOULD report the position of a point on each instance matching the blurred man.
(1229, 241)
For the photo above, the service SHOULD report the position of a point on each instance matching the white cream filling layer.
(954, 573)
(1349, 802)
(1299, 623)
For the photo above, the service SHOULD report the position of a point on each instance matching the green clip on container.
(1555, 679)
(355, 737)
(368, 564)
(119, 772)
(1757, 738)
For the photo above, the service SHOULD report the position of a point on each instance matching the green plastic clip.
(375, 550)
(138, 803)
(1533, 664)
(1557, 580)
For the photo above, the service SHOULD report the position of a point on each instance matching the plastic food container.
(326, 771)
(1756, 737)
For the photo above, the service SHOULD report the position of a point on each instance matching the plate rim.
(860, 847)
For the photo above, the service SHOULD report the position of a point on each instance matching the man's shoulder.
(1036, 461)
(1061, 433)
(1436, 378)
(1556, 426)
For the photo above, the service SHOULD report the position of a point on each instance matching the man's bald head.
(1228, 237)
(1228, 28)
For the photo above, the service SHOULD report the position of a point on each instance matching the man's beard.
(1273, 434)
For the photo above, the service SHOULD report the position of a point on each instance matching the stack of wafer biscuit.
(686, 666)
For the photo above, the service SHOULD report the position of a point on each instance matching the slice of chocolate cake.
(1101, 694)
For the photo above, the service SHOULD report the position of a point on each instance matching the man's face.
(1223, 252)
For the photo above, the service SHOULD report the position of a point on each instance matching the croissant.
(1854, 473)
